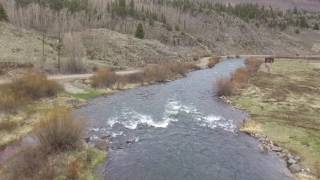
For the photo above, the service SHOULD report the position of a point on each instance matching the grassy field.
(285, 106)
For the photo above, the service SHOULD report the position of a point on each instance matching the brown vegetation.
(167, 71)
(32, 86)
(59, 131)
(75, 51)
(224, 87)
(213, 61)
(29, 164)
(240, 77)
(253, 65)
(8, 125)
(104, 77)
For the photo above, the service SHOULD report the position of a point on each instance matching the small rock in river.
(276, 149)
(295, 168)
(102, 144)
(291, 161)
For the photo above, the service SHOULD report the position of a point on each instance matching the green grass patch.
(285, 105)
(91, 94)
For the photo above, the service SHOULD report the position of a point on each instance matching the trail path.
(202, 63)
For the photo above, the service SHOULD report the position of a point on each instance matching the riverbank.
(284, 107)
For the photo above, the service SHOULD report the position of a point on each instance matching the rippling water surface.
(179, 131)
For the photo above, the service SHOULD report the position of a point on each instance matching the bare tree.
(75, 52)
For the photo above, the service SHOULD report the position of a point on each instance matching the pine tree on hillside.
(316, 26)
(139, 32)
(3, 14)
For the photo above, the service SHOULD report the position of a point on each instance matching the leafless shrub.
(29, 164)
(224, 87)
(104, 77)
(167, 71)
(73, 170)
(240, 77)
(253, 65)
(59, 131)
(156, 73)
(32, 86)
(75, 52)
(7, 125)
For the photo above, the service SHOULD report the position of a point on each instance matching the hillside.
(102, 32)
(99, 47)
(313, 5)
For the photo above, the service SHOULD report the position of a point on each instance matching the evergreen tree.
(303, 22)
(316, 27)
(139, 32)
(3, 14)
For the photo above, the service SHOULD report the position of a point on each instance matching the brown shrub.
(73, 170)
(167, 71)
(224, 87)
(59, 131)
(29, 164)
(36, 85)
(179, 68)
(7, 125)
(104, 77)
(253, 65)
(10, 101)
(213, 61)
(135, 78)
(240, 77)
(32, 86)
(75, 51)
(157, 74)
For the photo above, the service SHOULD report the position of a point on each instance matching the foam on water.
(130, 118)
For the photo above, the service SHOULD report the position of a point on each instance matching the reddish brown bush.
(73, 170)
(167, 71)
(7, 124)
(29, 164)
(32, 86)
(156, 73)
(240, 77)
(224, 87)
(253, 65)
(60, 131)
(104, 77)
(213, 61)
(36, 86)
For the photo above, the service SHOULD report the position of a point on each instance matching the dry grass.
(240, 77)
(251, 127)
(32, 86)
(213, 61)
(7, 125)
(317, 169)
(159, 73)
(104, 77)
(59, 153)
(167, 71)
(224, 87)
(29, 164)
(60, 131)
(253, 65)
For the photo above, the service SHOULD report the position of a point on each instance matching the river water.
(179, 131)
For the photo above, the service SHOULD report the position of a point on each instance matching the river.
(179, 131)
